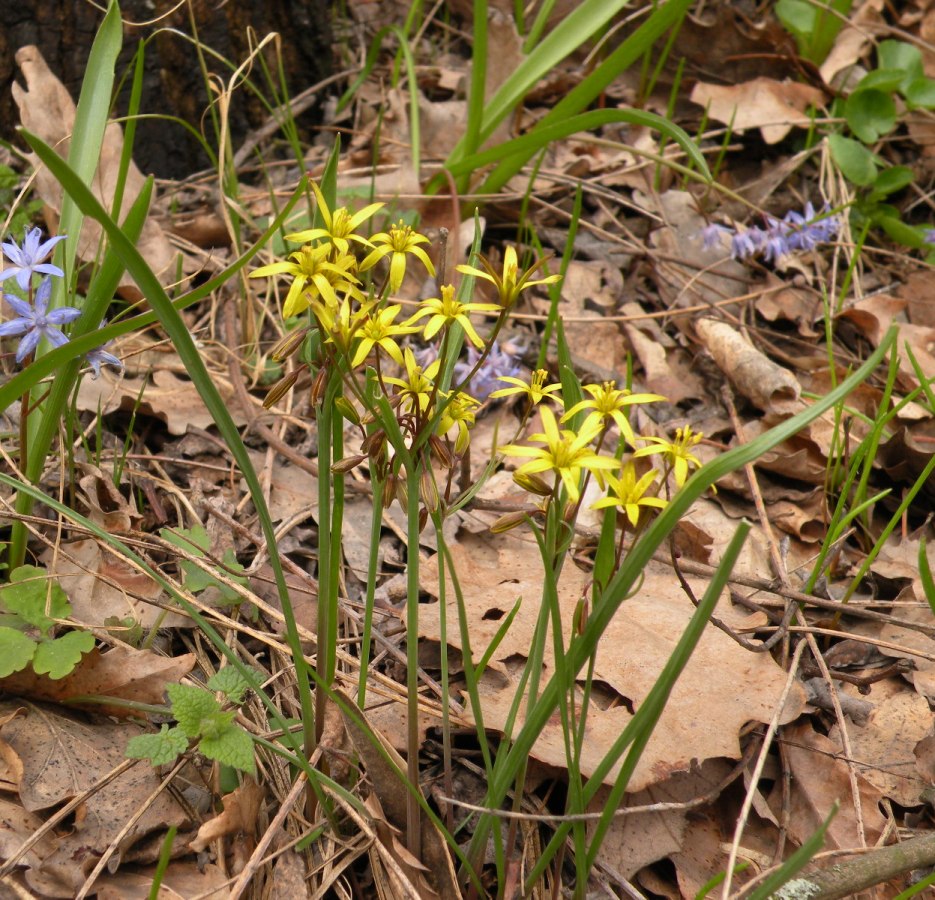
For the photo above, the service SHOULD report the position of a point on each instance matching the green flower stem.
(413, 811)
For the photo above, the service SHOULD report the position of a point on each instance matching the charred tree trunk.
(174, 82)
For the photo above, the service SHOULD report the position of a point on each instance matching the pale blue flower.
(712, 235)
(28, 258)
(100, 356)
(929, 237)
(34, 321)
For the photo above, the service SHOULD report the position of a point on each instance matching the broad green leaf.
(58, 658)
(902, 233)
(230, 683)
(890, 180)
(920, 93)
(191, 706)
(870, 114)
(16, 651)
(856, 162)
(232, 747)
(888, 80)
(30, 593)
(160, 749)
(902, 56)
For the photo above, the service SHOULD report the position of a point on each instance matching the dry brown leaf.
(634, 841)
(165, 396)
(723, 687)
(775, 107)
(756, 376)
(885, 746)
(100, 584)
(63, 756)
(17, 825)
(819, 780)
(181, 881)
(47, 110)
(124, 673)
(241, 808)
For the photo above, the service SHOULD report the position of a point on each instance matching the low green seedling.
(813, 25)
(200, 717)
(871, 112)
(195, 541)
(32, 605)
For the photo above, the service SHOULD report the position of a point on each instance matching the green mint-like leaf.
(216, 724)
(28, 593)
(58, 657)
(196, 542)
(160, 749)
(231, 683)
(16, 651)
(190, 706)
(231, 747)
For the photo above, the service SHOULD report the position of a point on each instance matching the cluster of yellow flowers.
(356, 322)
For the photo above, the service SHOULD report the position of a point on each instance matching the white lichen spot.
(797, 889)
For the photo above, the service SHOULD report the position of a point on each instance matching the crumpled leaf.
(723, 688)
(775, 107)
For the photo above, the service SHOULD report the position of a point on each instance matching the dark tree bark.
(63, 30)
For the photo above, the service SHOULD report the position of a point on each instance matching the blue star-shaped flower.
(100, 356)
(28, 258)
(35, 322)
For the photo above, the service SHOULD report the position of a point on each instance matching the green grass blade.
(640, 555)
(184, 344)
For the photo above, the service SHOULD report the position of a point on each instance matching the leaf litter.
(698, 325)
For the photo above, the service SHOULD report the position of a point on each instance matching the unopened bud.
(389, 491)
(423, 518)
(281, 388)
(289, 344)
(342, 466)
(346, 408)
(534, 483)
(428, 491)
(580, 617)
(509, 521)
(318, 388)
(440, 451)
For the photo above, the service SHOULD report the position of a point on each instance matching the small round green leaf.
(16, 651)
(920, 93)
(891, 180)
(870, 114)
(856, 162)
(902, 56)
(58, 658)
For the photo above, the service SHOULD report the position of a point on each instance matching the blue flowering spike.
(35, 322)
(29, 258)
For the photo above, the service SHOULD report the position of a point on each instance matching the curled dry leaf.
(756, 376)
(241, 808)
(722, 688)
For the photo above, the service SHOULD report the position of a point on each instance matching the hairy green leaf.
(160, 749)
